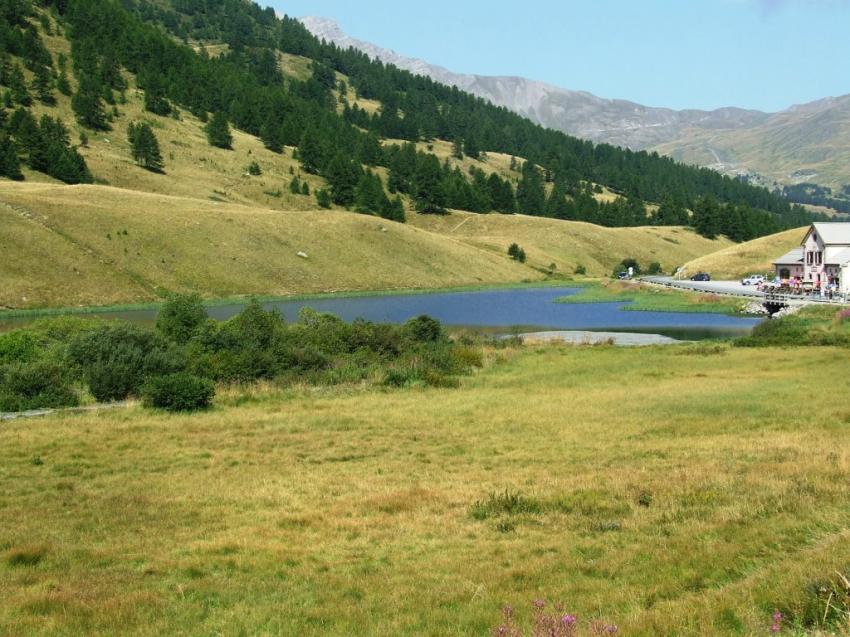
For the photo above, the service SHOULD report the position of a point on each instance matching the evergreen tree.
(144, 147)
(428, 193)
(311, 152)
(531, 196)
(295, 185)
(636, 214)
(343, 176)
(556, 204)
(155, 100)
(88, 105)
(62, 83)
(18, 87)
(706, 219)
(470, 146)
(457, 148)
(270, 134)
(323, 198)
(394, 210)
(42, 85)
(305, 188)
(218, 131)
(369, 194)
(10, 165)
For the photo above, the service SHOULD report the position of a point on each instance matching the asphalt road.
(716, 287)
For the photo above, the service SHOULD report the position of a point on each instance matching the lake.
(503, 310)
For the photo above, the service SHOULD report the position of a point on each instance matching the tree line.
(245, 88)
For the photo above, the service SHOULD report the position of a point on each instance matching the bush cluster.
(176, 365)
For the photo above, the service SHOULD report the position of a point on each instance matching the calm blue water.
(506, 310)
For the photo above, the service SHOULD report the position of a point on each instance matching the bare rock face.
(810, 142)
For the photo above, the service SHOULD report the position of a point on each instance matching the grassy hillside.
(698, 510)
(569, 244)
(752, 257)
(95, 245)
(99, 245)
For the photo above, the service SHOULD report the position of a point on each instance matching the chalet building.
(823, 259)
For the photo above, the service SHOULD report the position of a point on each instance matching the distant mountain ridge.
(808, 142)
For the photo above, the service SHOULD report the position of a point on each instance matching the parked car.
(701, 276)
(753, 279)
(624, 276)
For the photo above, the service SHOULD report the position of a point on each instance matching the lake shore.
(583, 337)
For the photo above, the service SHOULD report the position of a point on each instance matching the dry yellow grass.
(568, 244)
(752, 257)
(689, 497)
(130, 246)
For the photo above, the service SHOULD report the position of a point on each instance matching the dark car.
(702, 276)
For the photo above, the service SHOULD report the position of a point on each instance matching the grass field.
(646, 298)
(753, 257)
(674, 492)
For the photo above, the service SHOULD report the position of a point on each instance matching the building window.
(818, 258)
(810, 258)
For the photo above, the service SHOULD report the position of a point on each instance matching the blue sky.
(764, 54)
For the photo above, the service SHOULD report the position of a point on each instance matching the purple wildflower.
(569, 620)
(539, 604)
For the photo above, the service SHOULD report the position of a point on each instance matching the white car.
(753, 279)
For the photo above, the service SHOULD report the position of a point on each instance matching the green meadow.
(689, 490)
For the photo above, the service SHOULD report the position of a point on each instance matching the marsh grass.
(347, 510)
(645, 298)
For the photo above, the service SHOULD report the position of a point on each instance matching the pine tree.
(471, 147)
(42, 84)
(10, 165)
(706, 219)
(342, 175)
(62, 83)
(271, 137)
(88, 105)
(18, 86)
(310, 152)
(394, 210)
(305, 189)
(295, 186)
(156, 102)
(457, 148)
(144, 147)
(531, 196)
(323, 198)
(218, 131)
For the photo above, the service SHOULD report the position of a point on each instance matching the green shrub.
(654, 268)
(180, 317)
(516, 253)
(115, 359)
(35, 385)
(118, 376)
(580, 270)
(424, 329)
(20, 346)
(178, 392)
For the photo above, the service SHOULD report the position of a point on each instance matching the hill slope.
(96, 245)
(752, 257)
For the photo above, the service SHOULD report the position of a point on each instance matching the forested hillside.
(223, 61)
